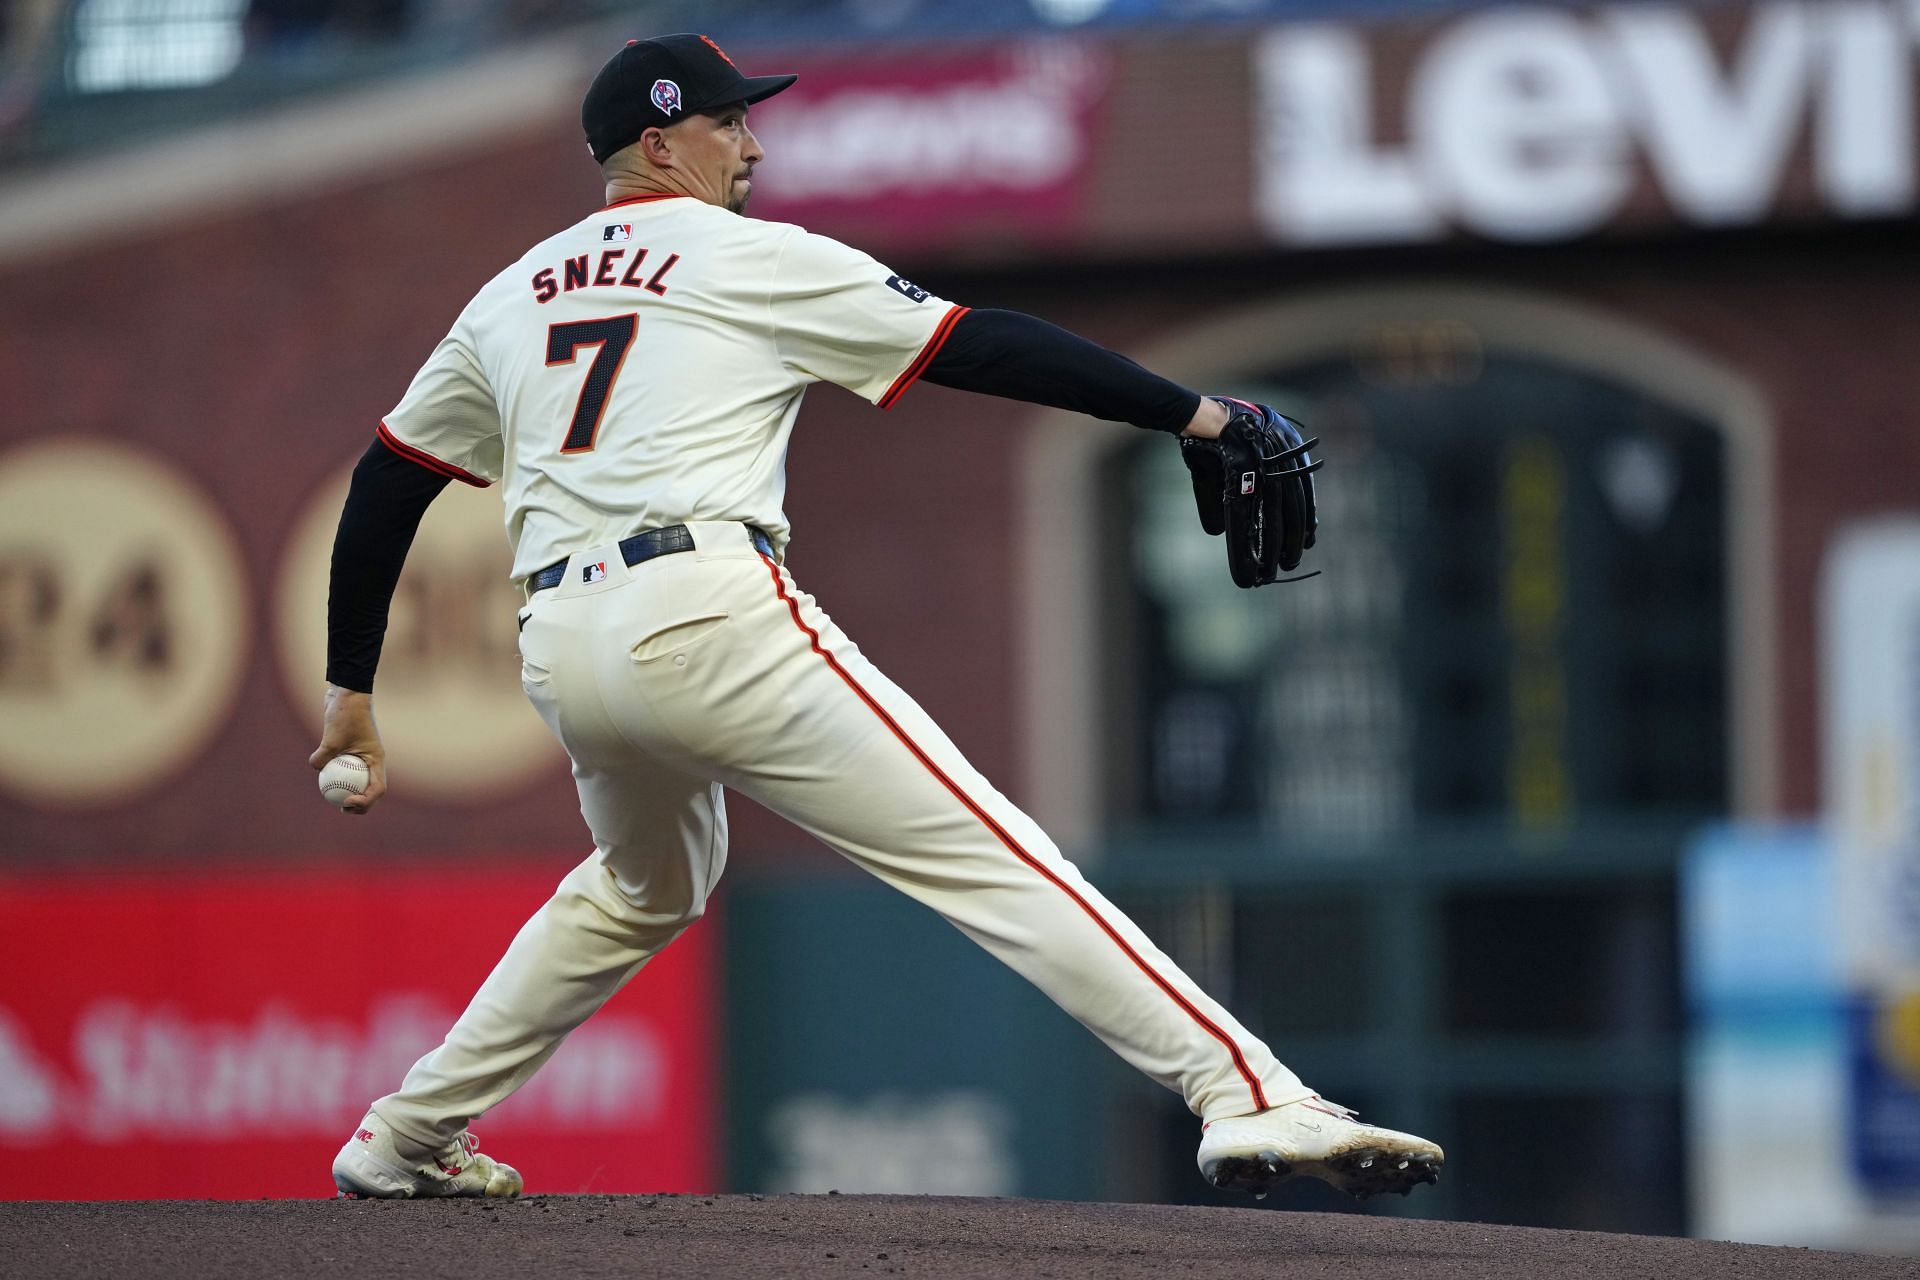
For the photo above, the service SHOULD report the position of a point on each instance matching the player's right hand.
(1254, 483)
(347, 728)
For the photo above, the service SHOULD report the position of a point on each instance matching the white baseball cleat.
(371, 1166)
(1315, 1138)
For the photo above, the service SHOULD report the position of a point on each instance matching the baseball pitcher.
(630, 384)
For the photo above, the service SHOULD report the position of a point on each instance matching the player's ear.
(656, 147)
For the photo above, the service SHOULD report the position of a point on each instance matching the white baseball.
(343, 778)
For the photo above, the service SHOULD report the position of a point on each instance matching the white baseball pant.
(687, 673)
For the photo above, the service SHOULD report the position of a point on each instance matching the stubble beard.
(736, 197)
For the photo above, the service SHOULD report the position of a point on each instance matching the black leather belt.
(641, 547)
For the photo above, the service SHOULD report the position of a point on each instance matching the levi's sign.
(940, 147)
(1540, 124)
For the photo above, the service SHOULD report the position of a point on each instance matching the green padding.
(872, 1047)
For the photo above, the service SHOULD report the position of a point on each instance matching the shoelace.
(457, 1155)
(1316, 1103)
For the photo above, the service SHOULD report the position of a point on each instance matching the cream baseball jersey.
(644, 367)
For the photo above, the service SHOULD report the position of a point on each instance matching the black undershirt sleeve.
(388, 496)
(1021, 357)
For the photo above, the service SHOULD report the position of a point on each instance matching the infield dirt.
(832, 1235)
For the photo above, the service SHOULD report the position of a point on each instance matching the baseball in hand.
(343, 778)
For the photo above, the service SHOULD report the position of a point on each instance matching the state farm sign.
(219, 1034)
(1541, 124)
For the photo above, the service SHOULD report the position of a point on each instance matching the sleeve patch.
(908, 289)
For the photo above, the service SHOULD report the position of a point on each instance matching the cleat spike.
(1257, 1153)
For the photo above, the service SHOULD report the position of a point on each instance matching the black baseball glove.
(1255, 484)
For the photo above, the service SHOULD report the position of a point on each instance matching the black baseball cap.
(651, 84)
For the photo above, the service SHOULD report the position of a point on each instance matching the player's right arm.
(1021, 357)
(446, 428)
(839, 316)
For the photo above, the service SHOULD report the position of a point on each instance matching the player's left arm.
(389, 495)
(446, 427)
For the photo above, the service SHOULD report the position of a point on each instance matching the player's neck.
(626, 186)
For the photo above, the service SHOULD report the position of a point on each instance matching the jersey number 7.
(613, 335)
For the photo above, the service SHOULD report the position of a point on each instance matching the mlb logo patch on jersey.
(618, 231)
(595, 572)
(1247, 483)
(908, 289)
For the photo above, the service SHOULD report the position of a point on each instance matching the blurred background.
(1571, 818)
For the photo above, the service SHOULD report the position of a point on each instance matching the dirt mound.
(832, 1235)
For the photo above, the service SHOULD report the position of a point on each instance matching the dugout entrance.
(1483, 734)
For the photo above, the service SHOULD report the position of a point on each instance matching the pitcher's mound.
(833, 1235)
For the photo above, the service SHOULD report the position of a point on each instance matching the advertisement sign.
(1871, 669)
(937, 147)
(1767, 1032)
(218, 1036)
(1533, 124)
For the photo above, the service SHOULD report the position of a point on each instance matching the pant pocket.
(677, 638)
(534, 670)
